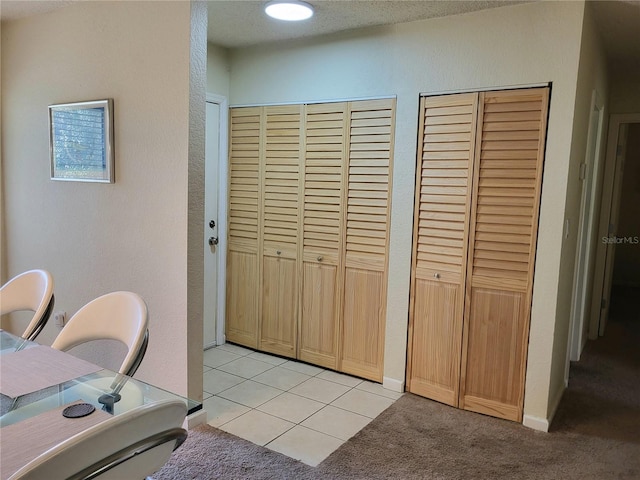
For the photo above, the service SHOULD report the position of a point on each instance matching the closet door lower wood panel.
(441, 219)
(508, 174)
(367, 234)
(322, 237)
(244, 204)
(280, 229)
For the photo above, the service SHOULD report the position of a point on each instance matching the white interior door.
(589, 174)
(211, 227)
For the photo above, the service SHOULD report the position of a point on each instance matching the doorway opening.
(624, 298)
(617, 267)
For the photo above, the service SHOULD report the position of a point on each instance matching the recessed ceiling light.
(289, 10)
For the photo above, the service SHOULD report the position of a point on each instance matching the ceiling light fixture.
(289, 10)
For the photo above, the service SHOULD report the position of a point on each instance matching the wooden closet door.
(244, 204)
(441, 219)
(322, 238)
(280, 224)
(504, 224)
(367, 233)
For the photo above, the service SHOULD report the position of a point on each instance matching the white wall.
(520, 45)
(625, 95)
(592, 75)
(96, 238)
(218, 70)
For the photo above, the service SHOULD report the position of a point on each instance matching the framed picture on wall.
(81, 141)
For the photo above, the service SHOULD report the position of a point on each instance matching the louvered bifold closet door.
(368, 197)
(441, 219)
(322, 239)
(243, 233)
(280, 229)
(504, 223)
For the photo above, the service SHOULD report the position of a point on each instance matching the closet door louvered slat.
(366, 236)
(244, 204)
(280, 223)
(443, 186)
(322, 237)
(504, 223)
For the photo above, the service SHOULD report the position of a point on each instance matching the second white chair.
(118, 316)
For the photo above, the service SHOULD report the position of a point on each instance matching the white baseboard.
(393, 384)
(556, 402)
(195, 419)
(537, 423)
(542, 424)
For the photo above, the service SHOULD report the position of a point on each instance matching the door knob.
(212, 224)
(436, 275)
(319, 258)
(213, 240)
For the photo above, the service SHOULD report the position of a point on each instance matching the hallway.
(603, 398)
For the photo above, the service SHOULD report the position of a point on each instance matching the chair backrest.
(115, 316)
(32, 291)
(132, 446)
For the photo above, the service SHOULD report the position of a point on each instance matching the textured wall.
(195, 263)
(96, 238)
(519, 45)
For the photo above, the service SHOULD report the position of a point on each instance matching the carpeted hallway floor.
(595, 433)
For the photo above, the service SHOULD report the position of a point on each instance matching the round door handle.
(319, 258)
(278, 252)
(436, 275)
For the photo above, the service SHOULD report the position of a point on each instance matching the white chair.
(118, 316)
(129, 446)
(29, 291)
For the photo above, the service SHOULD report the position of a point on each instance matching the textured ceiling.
(239, 23)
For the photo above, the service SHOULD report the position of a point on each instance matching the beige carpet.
(595, 434)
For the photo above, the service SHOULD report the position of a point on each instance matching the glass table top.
(105, 390)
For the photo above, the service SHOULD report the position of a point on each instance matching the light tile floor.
(299, 410)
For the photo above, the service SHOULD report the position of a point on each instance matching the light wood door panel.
(280, 229)
(244, 171)
(318, 330)
(441, 232)
(504, 225)
(364, 320)
(493, 380)
(279, 306)
(323, 224)
(246, 130)
(367, 199)
(242, 301)
(437, 335)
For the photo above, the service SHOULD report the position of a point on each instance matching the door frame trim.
(587, 244)
(223, 103)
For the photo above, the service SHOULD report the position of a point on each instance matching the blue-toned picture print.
(81, 141)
